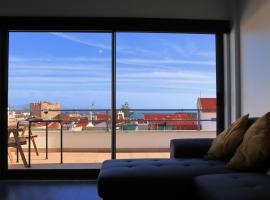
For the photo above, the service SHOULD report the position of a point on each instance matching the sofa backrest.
(251, 120)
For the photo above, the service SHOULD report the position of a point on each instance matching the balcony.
(87, 136)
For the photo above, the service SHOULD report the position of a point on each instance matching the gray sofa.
(186, 175)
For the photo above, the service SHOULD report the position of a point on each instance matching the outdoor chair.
(16, 142)
(19, 138)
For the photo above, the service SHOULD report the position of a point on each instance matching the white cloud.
(133, 61)
(140, 61)
(82, 41)
(159, 82)
(42, 59)
(135, 51)
(20, 59)
(189, 48)
(165, 74)
(31, 68)
(58, 79)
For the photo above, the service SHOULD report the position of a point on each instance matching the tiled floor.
(48, 190)
(78, 160)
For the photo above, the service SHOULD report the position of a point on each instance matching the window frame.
(92, 24)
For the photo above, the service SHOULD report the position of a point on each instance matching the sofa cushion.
(153, 177)
(255, 148)
(226, 143)
(189, 147)
(233, 186)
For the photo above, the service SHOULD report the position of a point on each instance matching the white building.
(207, 113)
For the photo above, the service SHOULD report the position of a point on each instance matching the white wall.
(255, 56)
(234, 64)
(200, 9)
(102, 140)
(208, 125)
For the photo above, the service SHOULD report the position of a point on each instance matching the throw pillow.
(226, 143)
(255, 148)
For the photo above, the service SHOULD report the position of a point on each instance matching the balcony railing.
(141, 133)
(127, 119)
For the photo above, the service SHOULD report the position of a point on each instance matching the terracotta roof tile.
(207, 104)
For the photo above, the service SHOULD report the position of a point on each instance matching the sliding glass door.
(61, 92)
(62, 76)
(166, 89)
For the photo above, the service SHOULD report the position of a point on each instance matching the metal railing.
(131, 117)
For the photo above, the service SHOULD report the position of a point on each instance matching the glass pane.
(62, 76)
(166, 89)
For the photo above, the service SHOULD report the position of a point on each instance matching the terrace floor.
(78, 160)
(88, 149)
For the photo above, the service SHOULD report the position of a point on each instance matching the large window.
(166, 89)
(78, 91)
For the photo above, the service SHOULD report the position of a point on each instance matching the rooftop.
(207, 104)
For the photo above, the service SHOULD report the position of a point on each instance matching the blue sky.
(154, 70)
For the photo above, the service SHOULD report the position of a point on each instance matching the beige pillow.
(226, 143)
(255, 148)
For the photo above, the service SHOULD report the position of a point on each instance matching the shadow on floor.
(48, 190)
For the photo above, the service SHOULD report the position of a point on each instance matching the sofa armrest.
(189, 148)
